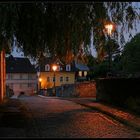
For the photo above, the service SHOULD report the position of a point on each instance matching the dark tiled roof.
(19, 65)
(50, 61)
(74, 65)
(81, 67)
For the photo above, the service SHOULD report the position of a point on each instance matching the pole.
(39, 85)
(54, 84)
(109, 55)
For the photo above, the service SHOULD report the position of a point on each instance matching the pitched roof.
(75, 66)
(50, 61)
(81, 67)
(19, 65)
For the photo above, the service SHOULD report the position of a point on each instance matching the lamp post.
(109, 28)
(38, 75)
(40, 80)
(54, 67)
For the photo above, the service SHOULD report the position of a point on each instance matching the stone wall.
(123, 92)
(86, 89)
(81, 89)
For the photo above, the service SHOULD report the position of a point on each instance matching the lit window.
(80, 73)
(85, 73)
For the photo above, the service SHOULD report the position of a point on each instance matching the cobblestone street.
(55, 118)
(59, 118)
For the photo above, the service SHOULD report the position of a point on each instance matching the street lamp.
(54, 67)
(109, 28)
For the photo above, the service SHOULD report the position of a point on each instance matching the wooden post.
(2, 75)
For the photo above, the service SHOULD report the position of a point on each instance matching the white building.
(20, 76)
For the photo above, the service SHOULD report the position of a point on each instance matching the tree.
(131, 55)
(57, 28)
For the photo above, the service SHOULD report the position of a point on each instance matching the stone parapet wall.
(86, 89)
(81, 89)
(123, 92)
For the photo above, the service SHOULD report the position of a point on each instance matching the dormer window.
(47, 67)
(68, 67)
(58, 68)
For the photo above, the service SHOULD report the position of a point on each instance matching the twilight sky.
(92, 48)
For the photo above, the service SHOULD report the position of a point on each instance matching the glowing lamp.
(54, 67)
(40, 79)
(109, 28)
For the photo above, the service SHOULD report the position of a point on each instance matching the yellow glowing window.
(85, 73)
(80, 73)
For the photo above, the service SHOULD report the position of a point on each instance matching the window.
(24, 76)
(29, 85)
(61, 79)
(54, 78)
(20, 85)
(20, 76)
(11, 85)
(85, 73)
(47, 67)
(30, 76)
(24, 85)
(48, 79)
(67, 78)
(68, 67)
(7, 76)
(11, 76)
(58, 68)
(80, 73)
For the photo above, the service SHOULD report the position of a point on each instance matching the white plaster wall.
(22, 85)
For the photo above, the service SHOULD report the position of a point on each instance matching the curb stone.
(120, 119)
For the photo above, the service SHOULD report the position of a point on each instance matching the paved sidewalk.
(118, 114)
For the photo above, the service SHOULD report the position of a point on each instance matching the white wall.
(22, 82)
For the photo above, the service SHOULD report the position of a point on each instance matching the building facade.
(21, 76)
(48, 78)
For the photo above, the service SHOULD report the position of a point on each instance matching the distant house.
(81, 71)
(20, 75)
(64, 73)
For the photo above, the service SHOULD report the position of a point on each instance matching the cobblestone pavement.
(54, 118)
